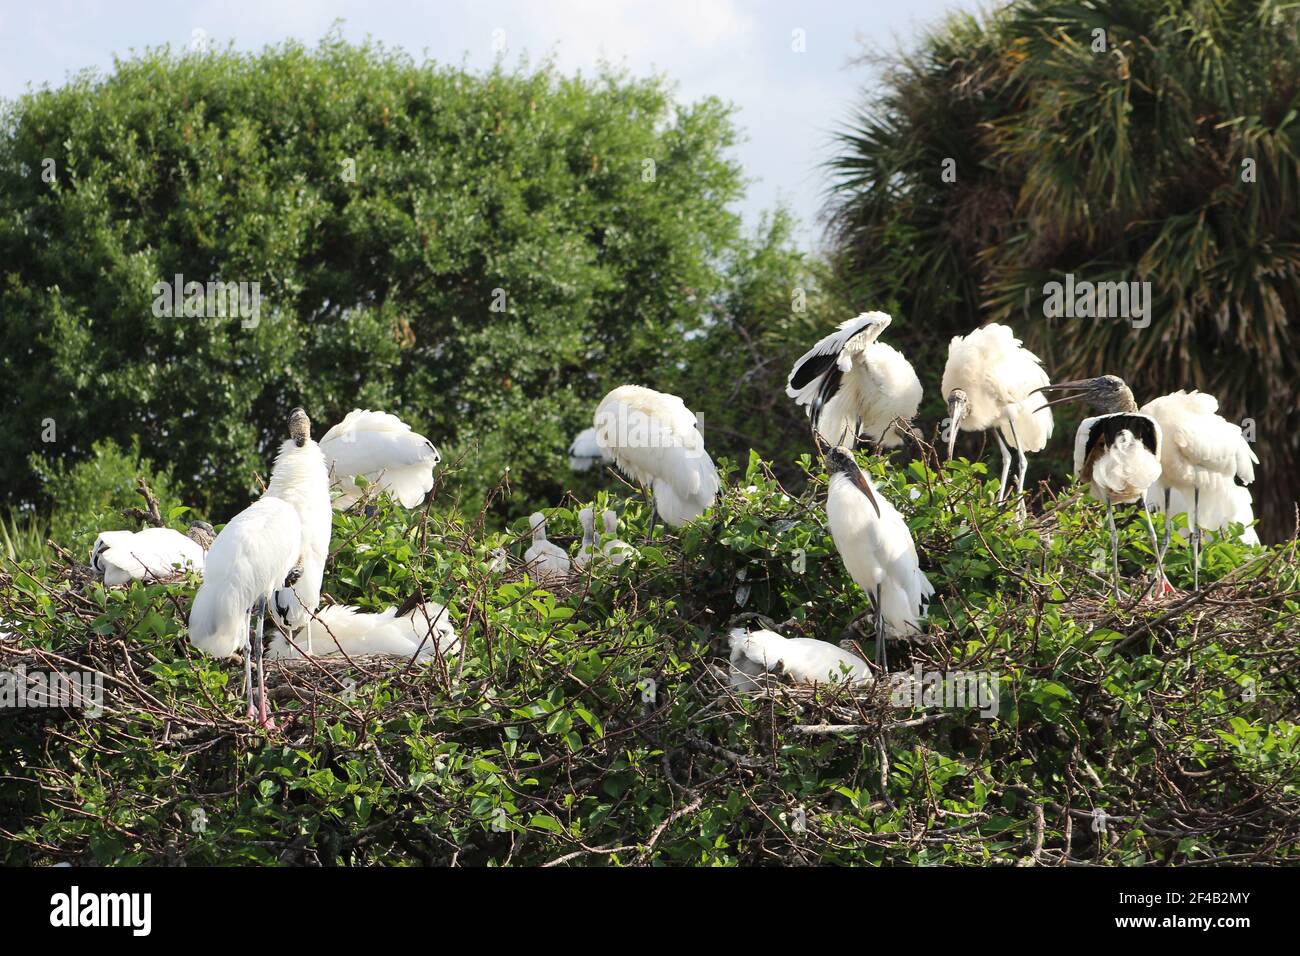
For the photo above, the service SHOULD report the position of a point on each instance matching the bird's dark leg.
(1196, 538)
(1114, 546)
(1006, 464)
(1162, 585)
(1024, 467)
(1168, 518)
(882, 658)
(262, 717)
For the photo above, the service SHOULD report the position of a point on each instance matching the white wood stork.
(1171, 501)
(589, 550)
(654, 439)
(258, 552)
(1117, 453)
(805, 660)
(854, 387)
(877, 550)
(154, 553)
(616, 551)
(544, 561)
(345, 631)
(382, 449)
(1202, 457)
(293, 605)
(991, 382)
(585, 452)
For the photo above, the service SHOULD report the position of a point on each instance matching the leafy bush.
(543, 742)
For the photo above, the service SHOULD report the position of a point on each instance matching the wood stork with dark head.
(990, 382)
(256, 554)
(804, 660)
(655, 440)
(382, 449)
(1201, 459)
(153, 554)
(1117, 453)
(877, 550)
(854, 386)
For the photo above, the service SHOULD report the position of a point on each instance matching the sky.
(789, 101)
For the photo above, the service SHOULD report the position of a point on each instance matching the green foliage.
(523, 191)
(1127, 163)
(539, 743)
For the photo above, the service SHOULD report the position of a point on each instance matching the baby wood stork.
(585, 453)
(154, 553)
(293, 604)
(654, 439)
(991, 382)
(854, 387)
(877, 550)
(258, 552)
(804, 660)
(1117, 453)
(1202, 457)
(422, 634)
(589, 550)
(382, 449)
(544, 561)
(616, 551)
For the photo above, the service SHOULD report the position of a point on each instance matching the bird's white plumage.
(805, 660)
(616, 550)
(879, 551)
(1125, 471)
(305, 486)
(653, 439)
(878, 384)
(1203, 451)
(1241, 509)
(123, 556)
(381, 448)
(585, 452)
(247, 561)
(588, 550)
(342, 630)
(544, 561)
(999, 375)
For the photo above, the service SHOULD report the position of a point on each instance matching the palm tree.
(1149, 141)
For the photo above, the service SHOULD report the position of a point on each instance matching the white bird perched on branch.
(805, 660)
(258, 552)
(877, 550)
(1202, 458)
(1117, 453)
(585, 452)
(344, 631)
(382, 449)
(154, 553)
(544, 561)
(654, 439)
(854, 386)
(991, 381)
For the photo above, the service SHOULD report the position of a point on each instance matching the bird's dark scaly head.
(958, 407)
(299, 426)
(202, 534)
(840, 461)
(1104, 393)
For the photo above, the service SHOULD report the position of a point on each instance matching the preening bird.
(310, 497)
(585, 453)
(345, 631)
(1117, 453)
(544, 561)
(654, 439)
(154, 553)
(590, 548)
(381, 448)
(877, 550)
(805, 660)
(1202, 458)
(991, 381)
(855, 387)
(258, 552)
(616, 551)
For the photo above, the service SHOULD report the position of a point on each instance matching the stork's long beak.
(957, 408)
(859, 479)
(1077, 387)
